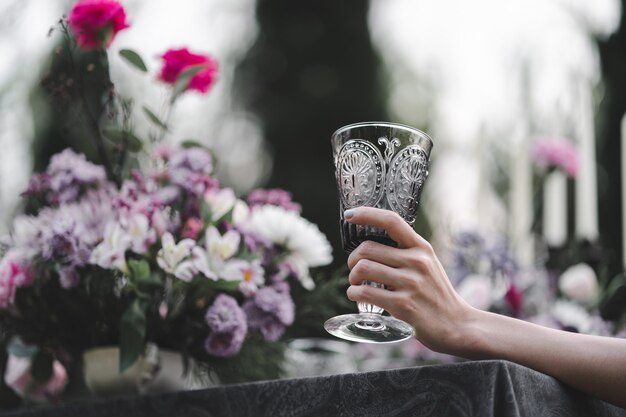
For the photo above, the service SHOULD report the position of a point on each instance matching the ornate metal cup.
(382, 165)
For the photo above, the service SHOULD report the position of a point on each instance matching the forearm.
(592, 364)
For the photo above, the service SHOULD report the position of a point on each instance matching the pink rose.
(556, 152)
(96, 22)
(13, 274)
(17, 376)
(175, 61)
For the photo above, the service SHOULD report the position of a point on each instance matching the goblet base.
(369, 328)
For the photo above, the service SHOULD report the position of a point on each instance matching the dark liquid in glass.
(352, 235)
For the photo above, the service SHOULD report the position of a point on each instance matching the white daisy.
(306, 246)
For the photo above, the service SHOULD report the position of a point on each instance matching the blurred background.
(482, 77)
(485, 78)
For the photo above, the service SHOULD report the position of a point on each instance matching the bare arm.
(423, 296)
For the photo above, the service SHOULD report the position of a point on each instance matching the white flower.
(250, 274)
(174, 257)
(305, 245)
(26, 234)
(141, 235)
(220, 202)
(579, 283)
(241, 212)
(210, 260)
(476, 290)
(571, 314)
(110, 253)
(221, 247)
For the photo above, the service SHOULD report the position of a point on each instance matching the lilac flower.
(225, 315)
(224, 345)
(228, 325)
(556, 152)
(61, 242)
(190, 169)
(275, 197)
(68, 173)
(270, 312)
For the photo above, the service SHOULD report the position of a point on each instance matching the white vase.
(102, 376)
(158, 371)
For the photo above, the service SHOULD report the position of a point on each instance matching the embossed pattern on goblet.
(380, 165)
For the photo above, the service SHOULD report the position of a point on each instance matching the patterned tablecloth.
(482, 388)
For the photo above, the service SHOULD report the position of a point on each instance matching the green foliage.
(132, 334)
(154, 118)
(41, 368)
(123, 138)
(134, 59)
(328, 299)
(182, 82)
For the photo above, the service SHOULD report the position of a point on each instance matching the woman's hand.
(418, 289)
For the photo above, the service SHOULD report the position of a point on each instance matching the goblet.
(384, 165)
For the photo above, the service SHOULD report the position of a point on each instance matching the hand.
(418, 289)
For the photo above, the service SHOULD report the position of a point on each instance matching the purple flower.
(190, 169)
(275, 197)
(225, 315)
(270, 312)
(225, 345)
(68, 173)
(61, 243)
(228, 327)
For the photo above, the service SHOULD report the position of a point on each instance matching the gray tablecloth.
(483, 388)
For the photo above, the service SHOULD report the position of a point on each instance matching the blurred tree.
(312, 70)
(612, 109)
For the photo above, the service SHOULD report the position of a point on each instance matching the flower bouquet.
(155, 251)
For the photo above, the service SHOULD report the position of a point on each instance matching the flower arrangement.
(151, 251)
(566, 295)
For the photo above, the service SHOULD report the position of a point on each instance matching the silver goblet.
(384, 165)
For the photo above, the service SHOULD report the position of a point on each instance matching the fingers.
(366, 270)
(377, 252)
(397, 229)
(396, 303)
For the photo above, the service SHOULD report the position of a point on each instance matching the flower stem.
(91, 118)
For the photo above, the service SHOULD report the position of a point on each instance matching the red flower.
(514, 298)
(176, 61)
(96, 22)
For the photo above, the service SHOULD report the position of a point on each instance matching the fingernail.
(348, 213)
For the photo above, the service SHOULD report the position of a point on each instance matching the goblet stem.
(370, 308)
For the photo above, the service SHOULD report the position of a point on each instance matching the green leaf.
(182, 82)
(190, 143)
(134, 59)
(154, 118)
(139, 269)
(123, 137)
(224, 285)
(132, 335)
(41, 368)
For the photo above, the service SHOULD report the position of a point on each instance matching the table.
(480, 388)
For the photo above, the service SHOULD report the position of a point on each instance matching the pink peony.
(18, 377)
(96, 22)
(556, 152)
(178, 60)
